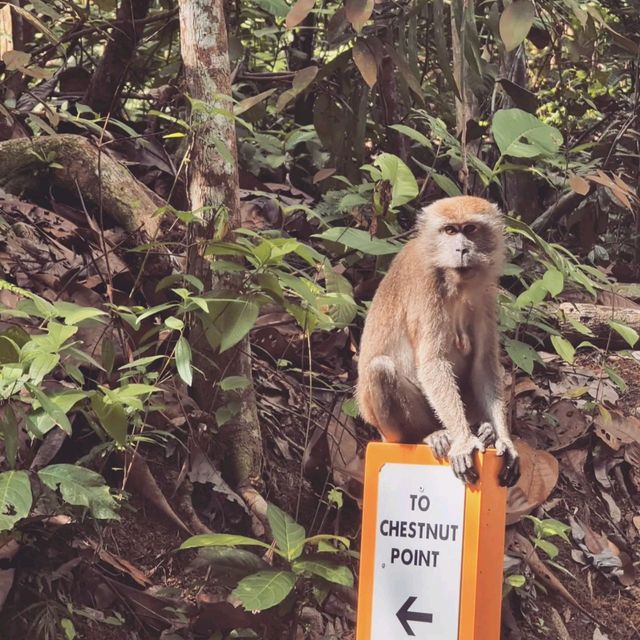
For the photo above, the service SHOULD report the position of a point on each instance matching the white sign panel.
(418, 553)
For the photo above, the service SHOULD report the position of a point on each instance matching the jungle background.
(197, 202)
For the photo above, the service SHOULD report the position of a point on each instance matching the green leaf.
(81, 487)
(548, 547)
(629, 335)
(350, 407)
(360, 240)
(535, 294)
(229, 321)
(553, 280)
(521, 135)
(552, 527)
(39, 422)
(264, 590)
(15, 498)
(112, 417)
(328, 537)
(230, 561)
(183, 360)
(221, 540)
(234, 383)
(616, 378)
(336, 573)
(51, 408)
(287, 533)
(404, 187)
(9, 431)
(522, 354)
(516, 581)
(174, 323)
(276, 8)
(41, 365)
(516, 22)
(414, 135)
(563, 348)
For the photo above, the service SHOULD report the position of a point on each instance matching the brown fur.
(428, 367)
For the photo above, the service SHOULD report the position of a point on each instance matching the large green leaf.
(229, 321)
(15, 498)
(229, 561)
(221, 540)
(55, 412)
(563, 348)
(629, 334)
(287, 533)
(264, 590)
(360, 240)
(112, 416)
(39, 422)
(515, 23)
(404, 187)
(521, 135)
(336, 573)
(183, 360)
(81, 487)
(523, 355)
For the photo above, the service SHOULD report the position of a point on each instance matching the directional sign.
(432, 548)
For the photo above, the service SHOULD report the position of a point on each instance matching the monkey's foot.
(510, 472)
(440, 443)
(461, 457)
(487, 434)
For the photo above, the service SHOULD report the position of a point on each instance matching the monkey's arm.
(488, 392)
(437, 380)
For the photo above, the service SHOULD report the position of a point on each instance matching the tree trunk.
(103, 93)
(467, 107)
(214, 192)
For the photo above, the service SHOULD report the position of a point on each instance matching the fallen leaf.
(617, 429)
(539, 475)
(571, 424)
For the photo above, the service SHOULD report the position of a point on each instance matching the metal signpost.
(432, 548)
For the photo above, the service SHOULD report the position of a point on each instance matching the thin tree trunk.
(467, 108)
(214, 192)
(107, 82)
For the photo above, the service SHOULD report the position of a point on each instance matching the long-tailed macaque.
(429, 368)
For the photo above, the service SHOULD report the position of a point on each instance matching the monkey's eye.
(450, 230)
(469, 229)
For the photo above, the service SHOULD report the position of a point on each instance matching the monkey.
(428, 367)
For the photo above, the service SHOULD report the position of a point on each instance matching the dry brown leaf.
(579, 185)
(616, 429)
(359, 12)
(323, 174)
(572, 424)
(366, 62)
(539, 475)
(298, 12)
(141, 481)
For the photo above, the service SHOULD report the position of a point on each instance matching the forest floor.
(126, 580)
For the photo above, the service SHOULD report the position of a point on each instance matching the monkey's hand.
(487, 434)
(510, 465)
(440, 443)
(461, 457)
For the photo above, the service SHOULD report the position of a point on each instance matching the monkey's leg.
(401, 410)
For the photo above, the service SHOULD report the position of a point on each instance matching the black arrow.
(404, 615)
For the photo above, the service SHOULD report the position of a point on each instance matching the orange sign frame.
(483, 540)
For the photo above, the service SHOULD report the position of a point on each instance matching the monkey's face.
(464, 234)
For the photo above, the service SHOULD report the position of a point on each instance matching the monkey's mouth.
(465, 272)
